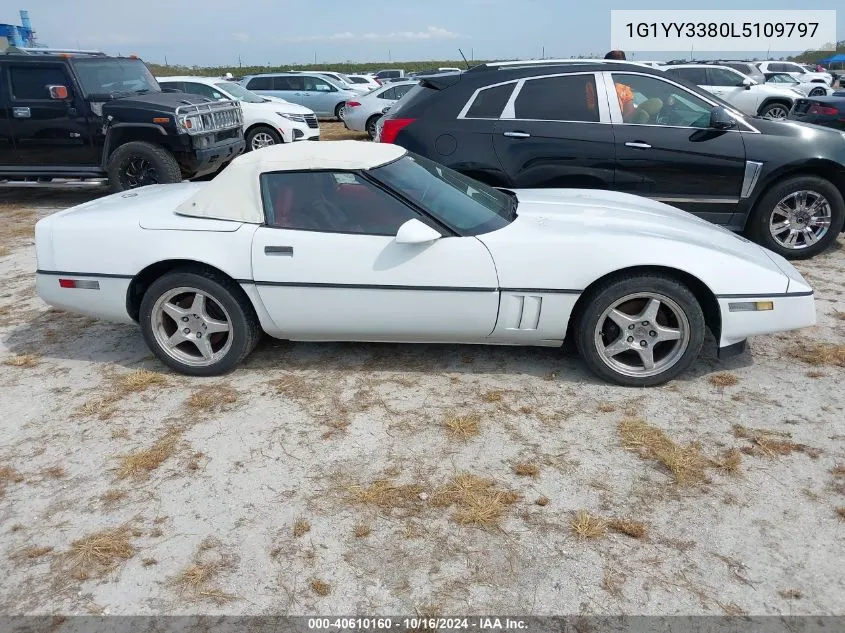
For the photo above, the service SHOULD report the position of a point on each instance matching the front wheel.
(775, 111)
(139, 163)
(198, 323)
(639, 330)
(262, 136)
(798, 218)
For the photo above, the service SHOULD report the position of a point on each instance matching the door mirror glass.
(415, 232)
(720, 119)
(748, 83)
(60, 93)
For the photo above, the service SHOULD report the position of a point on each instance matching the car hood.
(160, 101)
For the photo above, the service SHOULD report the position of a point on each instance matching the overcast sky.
(216, 32)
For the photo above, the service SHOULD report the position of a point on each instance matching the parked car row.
(631, 128)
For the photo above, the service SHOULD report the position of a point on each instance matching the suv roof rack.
(15, 50)
(528, 63)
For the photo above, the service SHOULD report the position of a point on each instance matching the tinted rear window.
(260, 83)
(564, 98)
(490, 102)
(697, 76)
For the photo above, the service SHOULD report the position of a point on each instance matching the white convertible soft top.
(234, 194)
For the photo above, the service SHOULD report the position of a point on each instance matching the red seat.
(282, 206)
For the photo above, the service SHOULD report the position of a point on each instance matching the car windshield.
(112, 77)
(236, 91)
(459, 202)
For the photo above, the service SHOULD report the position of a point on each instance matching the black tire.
(262, 129)
(338, 110)
(162, 166)
(817, 92)
(601, 298)
(775, 106)
(370, 125)
(245, 331)
(761, 216)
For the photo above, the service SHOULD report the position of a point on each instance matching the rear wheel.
(262, 136)
(817, 92)
(139, 163)
(371, 125)
(639, 330)
(340, 108)
(198, 323)
(776, 110)
(798, 218)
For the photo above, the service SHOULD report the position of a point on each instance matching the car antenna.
(465, 58)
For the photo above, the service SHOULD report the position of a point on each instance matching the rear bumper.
(791, 312)
(107, 301)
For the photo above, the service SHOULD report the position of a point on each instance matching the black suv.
(622, 126)
(87, 115)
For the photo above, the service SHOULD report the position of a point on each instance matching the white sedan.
(358, 241)
(363, 114)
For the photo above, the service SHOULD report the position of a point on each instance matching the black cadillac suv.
(622, 126)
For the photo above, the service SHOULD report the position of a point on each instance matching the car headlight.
(298, 118)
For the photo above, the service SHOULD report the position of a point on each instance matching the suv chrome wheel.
(800, 219)
(642, 334)
(262, 139)
(191, 327)
(776, 112)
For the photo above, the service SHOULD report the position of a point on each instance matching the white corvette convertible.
(355, 241)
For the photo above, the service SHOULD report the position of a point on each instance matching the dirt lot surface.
(392, 479)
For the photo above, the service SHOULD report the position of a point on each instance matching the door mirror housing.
(748, 83)
(59, 93)
(720, 119)
(415, 232)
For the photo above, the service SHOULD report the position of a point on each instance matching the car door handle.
(279, 251)
(638, 145)
(21, 113)
(517, 134)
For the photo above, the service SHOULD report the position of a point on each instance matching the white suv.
(798, 71)
(746, 95)
(267, 120)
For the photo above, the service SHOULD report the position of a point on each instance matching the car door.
(328, 267)
(666, 150)
(727, 84)
(320, 95)
(555, 132)
(48, 132)
(7, 147)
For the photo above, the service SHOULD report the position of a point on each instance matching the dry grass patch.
(685, 462)
(212, 398)
(587, 526)
(729, 461)
(97, 554)
(838, 470)
(838, 315)
(814, 353)
(606, 407)
(320, 587)
(54, 472)
(492, 396)
(634, 529)
(102, 407)
(31, 553)
(149, 562)
(110, 497)
(526, 469)
(301, 527)
(4, 251)
(463, 427)
(791, 594)
(8, 475)
(477, 501)
(140, 464)
(195, 581)
(840, 511)
(724, 379)
(361, 530)
(387, 496)
(22, 360)
(815, 374)
(770, 443)
(138, 381)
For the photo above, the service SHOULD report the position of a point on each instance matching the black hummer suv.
(83, 114)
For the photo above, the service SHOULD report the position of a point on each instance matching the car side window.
(647, 100)
(562, 98)
(315, 84)
(203, 90)
(697, 76)
(30, 82)
(260, 83)
(723, 77)
(331, 202)
(490, 102)
(288, 83)
(401, 91)
(390, 93)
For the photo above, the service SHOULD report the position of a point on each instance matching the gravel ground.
(388, 479)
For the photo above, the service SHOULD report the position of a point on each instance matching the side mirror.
(720, 119)
(59, 93)
(415, 232)
(748, 83)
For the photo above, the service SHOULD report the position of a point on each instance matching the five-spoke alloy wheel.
(198, 322)
(639, 330)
